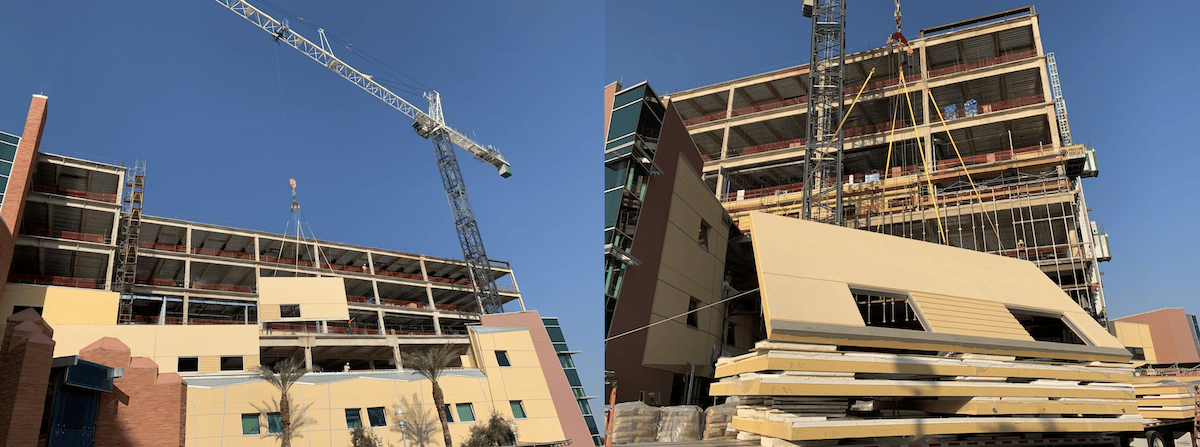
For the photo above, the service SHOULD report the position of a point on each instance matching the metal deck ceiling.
(985, 46)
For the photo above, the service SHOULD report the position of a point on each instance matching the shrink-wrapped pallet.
(635, 422)
(716, 421)
(682, 423)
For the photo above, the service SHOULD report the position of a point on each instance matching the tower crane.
(823, 155)
(431, 125)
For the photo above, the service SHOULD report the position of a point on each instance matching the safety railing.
(224, 287)
(983, 63)
(281, 260)
(72, 235)
(60, 281)
(101, 197)
(960, 113)
(705, 118)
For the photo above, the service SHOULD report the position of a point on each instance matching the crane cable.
(656, 323)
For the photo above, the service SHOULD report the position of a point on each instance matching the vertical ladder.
(1060, 105)
(131, 219)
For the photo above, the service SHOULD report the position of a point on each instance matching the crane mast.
(826, 75)
(431, 126)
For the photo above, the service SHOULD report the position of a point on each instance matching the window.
(502, 358)
(693, 318)
(274, 423)
(465, 413)
(565, 360)
(556, 334)
(1138, 353)
(573, 377)
(886, 309)
(449, 414)
(377, 417)
(584, 407)
(703, 237)
(289, 311)
(37, 309)
(1046, 327)
(188, 364)
(517, 409)
(233, 363)
(250, 424)
(730, 332)
(353, 418)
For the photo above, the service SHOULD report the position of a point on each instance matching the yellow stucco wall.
(689, 270)
(319, 298)
(166, 343)
(62, 305)
(1136, 335)
(214, 413)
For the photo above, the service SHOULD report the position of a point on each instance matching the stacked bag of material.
(682, 423)
(717, 419)
(635, 422)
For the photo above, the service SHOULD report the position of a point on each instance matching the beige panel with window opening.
(318, 298)
(806, 269)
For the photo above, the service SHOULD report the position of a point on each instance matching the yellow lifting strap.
(965, 170)
(924, 162)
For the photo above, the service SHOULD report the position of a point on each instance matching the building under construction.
(971, 147)
(213, 303)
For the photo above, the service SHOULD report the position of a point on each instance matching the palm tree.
(430, 363)
(286, 374)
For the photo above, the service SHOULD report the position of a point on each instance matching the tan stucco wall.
(1136, 335)
(688, 270)
(166, 343)
(319, 298)
(63, 305)
(214, 414)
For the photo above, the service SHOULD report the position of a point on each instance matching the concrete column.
(308, 358)
(518, 289)
(382, 328)
(185, 306)
(396, 356)
(371, 270)
(187, 263)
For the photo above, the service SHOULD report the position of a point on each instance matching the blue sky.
(1124, 76)
(224, 116)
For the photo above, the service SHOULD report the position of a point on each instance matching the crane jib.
(428, 125)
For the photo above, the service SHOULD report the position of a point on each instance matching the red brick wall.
(27, 351)
(145, 408)
(19, 182)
